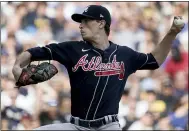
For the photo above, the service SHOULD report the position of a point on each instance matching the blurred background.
(151, 100)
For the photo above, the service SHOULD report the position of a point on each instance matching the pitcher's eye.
(86, 20)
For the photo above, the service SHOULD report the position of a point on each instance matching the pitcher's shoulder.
(72, 42)
(124, 48)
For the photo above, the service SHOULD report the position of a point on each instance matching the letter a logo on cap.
(101, 16)
(86, 9)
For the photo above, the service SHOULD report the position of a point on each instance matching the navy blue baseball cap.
(96, 12)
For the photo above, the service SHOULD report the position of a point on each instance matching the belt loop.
(110, 118)
(76, 120)
(71, 118)
(116, 117)
(106, 119)
(89, 124)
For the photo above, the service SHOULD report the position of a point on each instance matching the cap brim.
(79, 17)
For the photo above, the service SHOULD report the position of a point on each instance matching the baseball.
(179, 22)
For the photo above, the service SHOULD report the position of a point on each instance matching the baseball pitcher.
(98, 69)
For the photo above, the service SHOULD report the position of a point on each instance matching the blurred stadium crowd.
(151, 99)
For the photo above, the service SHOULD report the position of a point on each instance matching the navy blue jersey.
(97, 77)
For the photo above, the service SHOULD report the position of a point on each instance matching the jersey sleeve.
(142, 61)
(58, 52)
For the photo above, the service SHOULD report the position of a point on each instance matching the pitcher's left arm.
(161, 51)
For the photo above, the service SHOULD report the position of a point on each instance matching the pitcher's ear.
(102, 23)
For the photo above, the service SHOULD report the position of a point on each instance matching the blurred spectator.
(163, 124)
(43, 35)
(130, 117)
(167, 96)
(127, 29)
(21, 11)
(148, 44)
(28, 21)
(179, 118)
(36, 14)
(157, 108)
(65, 108)
(145, 123)
(177, 62)
(12, 113)
(146, 99)
(180, 84)
(57, 23)
(25, 123)
(147, 84)
(50, 116)
(124, 107)
(68, 33)
(123, 110)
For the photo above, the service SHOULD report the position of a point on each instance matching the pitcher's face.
(89, 28)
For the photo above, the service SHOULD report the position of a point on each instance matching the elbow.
(159, 58)
(157, 65)
(157, 62)
(154, 66)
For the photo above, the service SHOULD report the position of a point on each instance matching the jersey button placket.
(105, 57)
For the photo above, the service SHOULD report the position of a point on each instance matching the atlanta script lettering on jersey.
(101, 69)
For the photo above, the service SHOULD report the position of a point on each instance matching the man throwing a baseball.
(98, 69)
